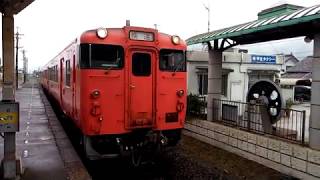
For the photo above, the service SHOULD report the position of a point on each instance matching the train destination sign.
(259, 59)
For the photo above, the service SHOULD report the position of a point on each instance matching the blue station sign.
(258, 59)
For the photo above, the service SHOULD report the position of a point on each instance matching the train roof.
(123, 33)
(120, 36)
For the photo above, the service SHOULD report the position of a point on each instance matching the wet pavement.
(74, 168)
(35, 142)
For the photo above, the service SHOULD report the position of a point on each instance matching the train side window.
(172, 60)
(49, 73)
(53, 73)
(141, 64)
(56, 73)
(68, 73)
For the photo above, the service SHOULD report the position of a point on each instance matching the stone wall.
(286, 157)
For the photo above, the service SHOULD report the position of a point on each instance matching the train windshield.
(172, 60)
(101, 56)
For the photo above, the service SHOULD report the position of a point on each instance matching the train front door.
(141, 82)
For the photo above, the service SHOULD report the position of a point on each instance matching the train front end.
(133, 90)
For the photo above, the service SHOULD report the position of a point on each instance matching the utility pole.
(25, 66)
(207, 7)
(17, 53)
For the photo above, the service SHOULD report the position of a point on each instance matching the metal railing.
(249, 117)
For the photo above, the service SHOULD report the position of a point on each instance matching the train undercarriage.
(140, 145)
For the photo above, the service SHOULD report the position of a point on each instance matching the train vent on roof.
(277, 10)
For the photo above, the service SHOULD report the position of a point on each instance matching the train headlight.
(95, 94)
(175, 39)
(180, 93)
(102, 33)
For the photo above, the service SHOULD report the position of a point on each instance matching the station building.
(289, 61)
(296, 81)
(240, 71)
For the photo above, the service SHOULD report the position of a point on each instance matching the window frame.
(150, 65)
(201, 87)
(203, 78)
(224, 84)
(56, 73)
(176, 50)
(67, 73)
(82, 66)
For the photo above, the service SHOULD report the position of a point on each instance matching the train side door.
(61, 81)
(67, 91)
(73, 83)
(141, 82)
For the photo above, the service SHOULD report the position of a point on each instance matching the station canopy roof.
(13, 6)
(284, 21)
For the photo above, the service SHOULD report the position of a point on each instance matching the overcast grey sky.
(48, 26)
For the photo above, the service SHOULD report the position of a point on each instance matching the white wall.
(192, 83)
(236, 79)
(288, 63)
(238, 63)
(287, 93)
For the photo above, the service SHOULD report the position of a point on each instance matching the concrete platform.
(45, 151)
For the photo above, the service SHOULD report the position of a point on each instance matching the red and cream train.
(124, 88)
